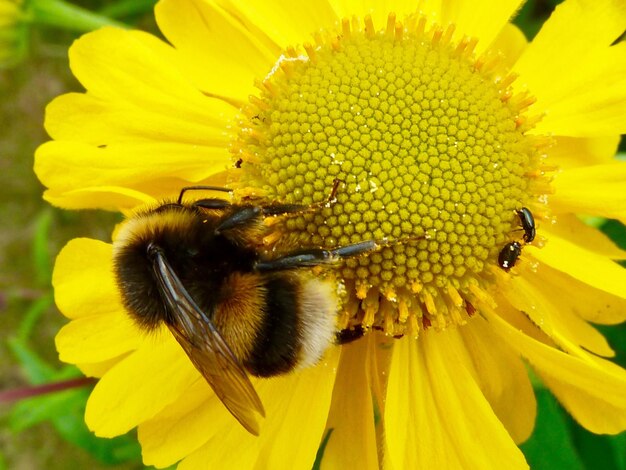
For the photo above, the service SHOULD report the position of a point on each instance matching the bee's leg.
(271, 210)
(355, 249)
(245, 214)
(240, 216)
(316, 256)
(249, 212)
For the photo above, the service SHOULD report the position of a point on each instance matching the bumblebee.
(201, 268)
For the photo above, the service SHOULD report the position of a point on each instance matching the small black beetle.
(528, 224)
(509, 254)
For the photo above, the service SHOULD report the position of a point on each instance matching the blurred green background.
(48, 431)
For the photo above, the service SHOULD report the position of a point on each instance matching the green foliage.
(558, 442)
(126, 9)
(533, 14)
(551, 446)
(64, 409)
(41, 253)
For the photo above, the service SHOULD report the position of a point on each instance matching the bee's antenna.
(201, 188)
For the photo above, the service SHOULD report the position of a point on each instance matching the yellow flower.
(13, 31)
(441, 122)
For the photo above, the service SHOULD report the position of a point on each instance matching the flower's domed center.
(429, 146)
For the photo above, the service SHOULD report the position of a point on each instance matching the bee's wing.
(225, 376)
(207, 350)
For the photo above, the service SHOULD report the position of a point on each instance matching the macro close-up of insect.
(313, 235)
(200, 268)
(511, 252)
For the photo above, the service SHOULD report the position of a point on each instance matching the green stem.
(65, 15)
(127, 8)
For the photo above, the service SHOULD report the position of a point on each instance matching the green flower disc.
(430, 152)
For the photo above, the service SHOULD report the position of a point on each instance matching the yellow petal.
(482, 19)
(572, 152)
(104, 121)
(188, 23)
(204, 430)
(82, 280)
(511, 43)
(183, 426)
(592, 409)
(380, 363)
(588, 97)
(503, 379)
(352, 412)
(591, 389)
(597, 271)
(596, 190)
(116, 198)
(113, 198)
(545, 309)
(135, 67)
(98, 369)
(594, 105)
(436, 414)
(70, 166)
(139, 386)
(587, 302)
(287, 23)
(97, 338)
(576, 231)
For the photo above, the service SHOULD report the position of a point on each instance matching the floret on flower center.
(431, 148)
